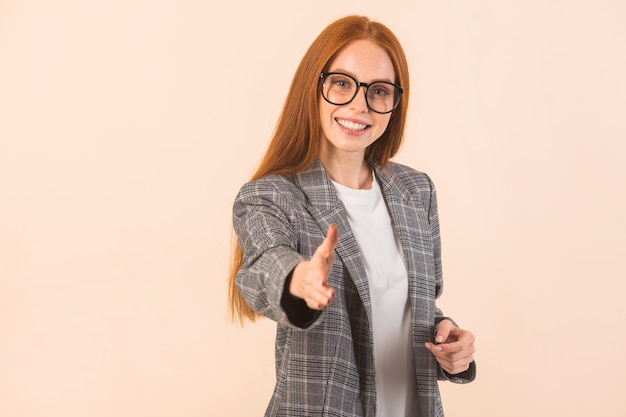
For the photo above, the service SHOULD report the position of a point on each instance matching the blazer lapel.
(326, 209)
(411, 225)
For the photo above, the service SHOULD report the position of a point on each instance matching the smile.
(352, 125)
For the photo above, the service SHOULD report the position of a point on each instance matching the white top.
(371, 225)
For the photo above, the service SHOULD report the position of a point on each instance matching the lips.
(350, 125)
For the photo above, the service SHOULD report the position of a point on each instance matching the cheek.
(326, 111)
(326, 118)
(382, 123)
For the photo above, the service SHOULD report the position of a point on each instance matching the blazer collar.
(317, 186)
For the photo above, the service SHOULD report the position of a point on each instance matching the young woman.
(340, 246)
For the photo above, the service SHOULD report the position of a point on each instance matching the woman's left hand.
(454, 348)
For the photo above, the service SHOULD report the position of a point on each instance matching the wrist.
(296, 278)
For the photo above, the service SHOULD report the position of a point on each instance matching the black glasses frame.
(359, 84)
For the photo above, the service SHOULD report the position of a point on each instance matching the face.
(349, 129)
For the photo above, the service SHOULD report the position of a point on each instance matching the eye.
(379, 90)
(341, 82)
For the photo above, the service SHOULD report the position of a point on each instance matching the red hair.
(296, 140)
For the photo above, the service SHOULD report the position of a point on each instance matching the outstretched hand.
(454, 348)
(310, 278)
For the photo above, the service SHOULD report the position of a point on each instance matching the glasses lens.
(382, 97)
(339, 88)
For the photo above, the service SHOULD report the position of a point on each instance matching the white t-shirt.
(391, 312)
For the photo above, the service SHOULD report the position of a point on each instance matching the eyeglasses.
(380, 96)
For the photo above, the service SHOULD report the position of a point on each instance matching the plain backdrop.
(128, 126)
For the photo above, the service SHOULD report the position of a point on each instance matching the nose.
(359, 103)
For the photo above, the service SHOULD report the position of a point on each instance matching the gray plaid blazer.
(324, 359)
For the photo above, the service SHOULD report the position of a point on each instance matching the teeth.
(351, 125)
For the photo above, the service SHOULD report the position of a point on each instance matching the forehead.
(365, 60)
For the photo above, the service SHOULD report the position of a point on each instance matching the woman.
(340, 246)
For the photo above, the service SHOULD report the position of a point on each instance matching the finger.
(323, 294)
(457, 348)
(317, 300)
(458, 339)
(314, 305)
(452, 344)
(464, 356)
(451, 351)
(453, 363)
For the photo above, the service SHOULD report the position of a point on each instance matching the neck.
(350, 171)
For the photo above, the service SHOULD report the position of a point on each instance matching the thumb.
(328, 245)
(443, 331)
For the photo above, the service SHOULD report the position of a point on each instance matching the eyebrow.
(357, 78)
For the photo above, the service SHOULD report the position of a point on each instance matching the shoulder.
(412, 179)
(277, 189)
(413, 185)
(270, 183)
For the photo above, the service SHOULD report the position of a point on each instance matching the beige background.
(127, 127)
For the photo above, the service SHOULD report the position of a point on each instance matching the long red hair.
(296, 140)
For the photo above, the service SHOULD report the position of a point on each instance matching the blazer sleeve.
(266, 226)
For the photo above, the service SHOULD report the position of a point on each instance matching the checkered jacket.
(324, 360)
